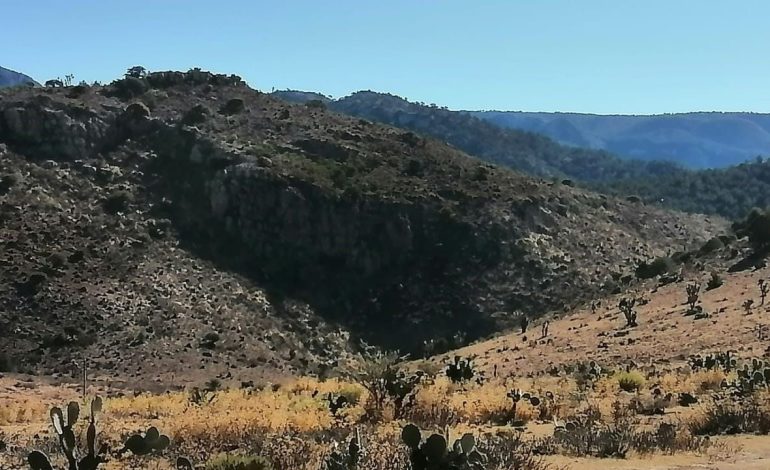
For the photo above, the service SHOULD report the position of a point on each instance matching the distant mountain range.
(9, 78)
(694, 140)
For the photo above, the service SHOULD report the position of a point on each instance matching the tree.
(137, 71)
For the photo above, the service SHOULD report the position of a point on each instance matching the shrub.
(233, 106)
(209, 340)
(756, 226)
(631, 381)
(129, 88)
(657, 267)
(7, 363)
(316, 104)
(7, 182)
(708, 380)
(750, 415)
(587, 435)
(196, 115)
(351, 392)
(377, 372)
(238, 462)
(711, 246)
(117, 201)
(715, 281)
(510, 451)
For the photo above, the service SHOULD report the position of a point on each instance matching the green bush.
(238, 462)
(630, 381)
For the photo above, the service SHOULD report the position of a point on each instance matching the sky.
(592, 56)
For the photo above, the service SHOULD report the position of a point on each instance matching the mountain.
(694, 140)
(187, 223)
(730, 192)
(9, 78)
(525, 151)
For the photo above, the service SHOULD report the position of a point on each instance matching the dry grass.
(292, 424)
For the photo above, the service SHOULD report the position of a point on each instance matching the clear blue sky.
(608, 56)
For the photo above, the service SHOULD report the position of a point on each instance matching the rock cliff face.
(360, 227)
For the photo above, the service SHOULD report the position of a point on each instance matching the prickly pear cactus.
(435, 453)
(150, 443)
(63, 429)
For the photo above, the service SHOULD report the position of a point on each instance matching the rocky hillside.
(183, 223)
(730, 192)
(695, 140)
(9, 78)
(525, 151)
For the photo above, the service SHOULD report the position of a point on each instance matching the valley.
(299, 288)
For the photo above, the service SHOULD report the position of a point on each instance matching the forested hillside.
(730, 192)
